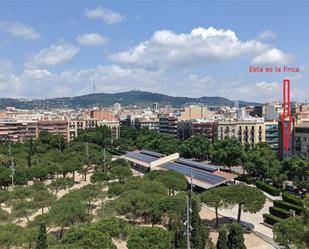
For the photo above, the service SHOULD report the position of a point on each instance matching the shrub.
(287, 206)
(268, 188)
(279, 212)
(271, 219)
(292, 199)
(245, 179)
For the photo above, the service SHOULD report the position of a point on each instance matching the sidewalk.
(252, 240)
(253, 220)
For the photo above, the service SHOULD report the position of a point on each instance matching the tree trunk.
(239, 212)
(217, 218)
(42, 210)
(61, 233)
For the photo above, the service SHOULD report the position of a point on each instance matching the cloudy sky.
(178, 48)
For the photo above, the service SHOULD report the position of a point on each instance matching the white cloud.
(5, 67)
(42, 83)
(164, 53)
(54, 55)
(267, 34)
(272, 57)
(6, 70)
(259, 91)
(19, 29)
(91, 39)
(267, 88)
(199, 47)
(107, 15)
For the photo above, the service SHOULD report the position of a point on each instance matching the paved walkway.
(252, 241)
(253, 220)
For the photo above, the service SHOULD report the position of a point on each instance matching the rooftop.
(203, 175)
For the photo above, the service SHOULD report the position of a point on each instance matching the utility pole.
(191, 183)
(12, 164)
(188, 224)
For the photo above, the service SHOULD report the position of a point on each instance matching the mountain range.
(138, 98)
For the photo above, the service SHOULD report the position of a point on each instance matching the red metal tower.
(286, 114)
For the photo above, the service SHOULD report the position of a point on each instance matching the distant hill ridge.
(139, 98)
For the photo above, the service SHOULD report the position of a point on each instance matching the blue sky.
(181, 48)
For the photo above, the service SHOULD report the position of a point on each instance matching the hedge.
(268, 188)
(271, 219)
(287, 206)
(245, 178)
(280, 212)
(292, 199)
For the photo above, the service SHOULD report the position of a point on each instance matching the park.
(83, 194)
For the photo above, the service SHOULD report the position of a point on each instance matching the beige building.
(75, 126)
(301, 113)
(150, 123)
(114, 125)
(195, 112)
(247, 131)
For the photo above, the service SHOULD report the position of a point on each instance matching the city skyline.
(58, 49)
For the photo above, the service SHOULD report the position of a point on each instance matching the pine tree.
(179, 231)
(30, 153)
(235, 237)
(199, 233)
(42, 237)
(222, 239)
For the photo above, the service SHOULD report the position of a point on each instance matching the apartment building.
(248, 131)
(184, 129)
(96, 118)
(272, 134)
(114, 126)
(272, 111)
(298, 140)
(17, 131)
(204, 128)
(175, 124)
(168, 124)
(282, 151)
(55, 127)
(301, 113)
(195, 112)
(75, 126)
(150, 123)
(301, 139)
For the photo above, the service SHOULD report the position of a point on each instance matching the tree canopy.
(150, 238)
